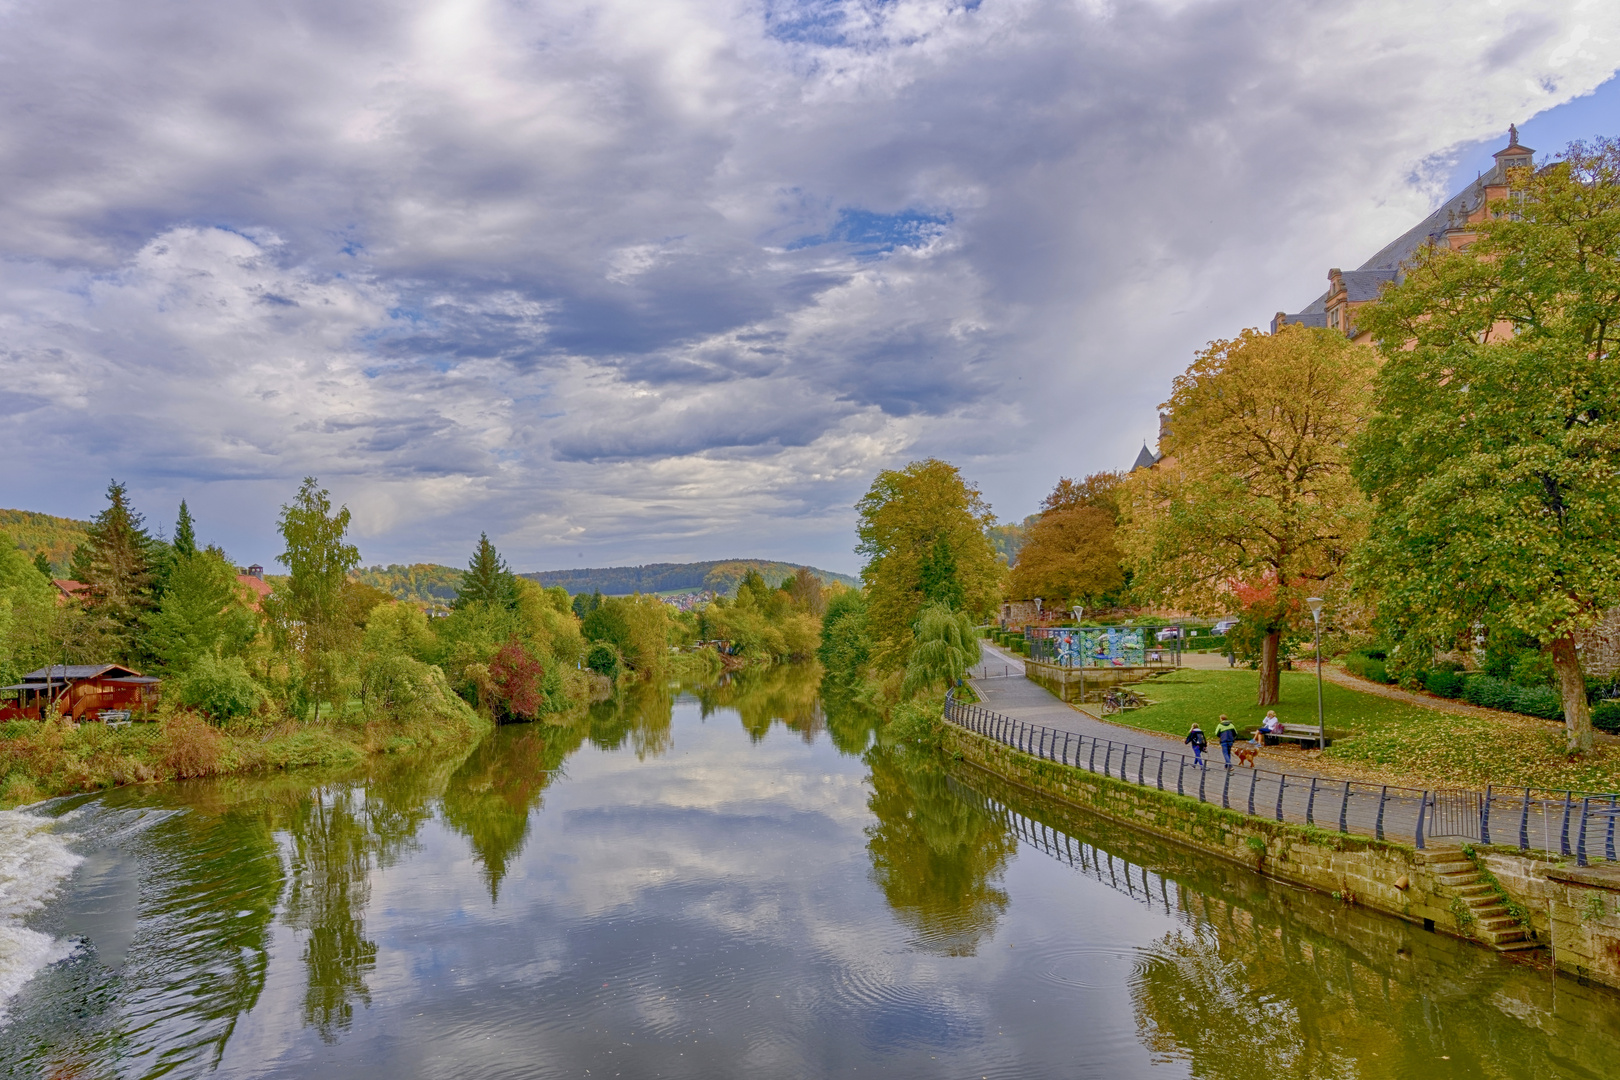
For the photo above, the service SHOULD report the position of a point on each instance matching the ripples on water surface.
(718, 885)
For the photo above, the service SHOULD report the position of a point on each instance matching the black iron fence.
(1577, 823)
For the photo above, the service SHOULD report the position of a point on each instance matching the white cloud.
(629, 281)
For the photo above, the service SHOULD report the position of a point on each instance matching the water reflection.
(667, 884)
(938, 858)
(1261, 979)
(786, 694)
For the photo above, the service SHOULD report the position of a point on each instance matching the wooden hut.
(81, 691)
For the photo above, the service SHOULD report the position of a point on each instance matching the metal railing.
(1581, 824)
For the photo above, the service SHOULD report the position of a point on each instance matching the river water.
(732, 882)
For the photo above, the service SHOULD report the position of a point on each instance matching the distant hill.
(55, 536)
(422, 583)
(720, 576)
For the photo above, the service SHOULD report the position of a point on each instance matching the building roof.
(1362, 285)
(1393, 255)
(1146, 459)
(256, 585)
(76, 672)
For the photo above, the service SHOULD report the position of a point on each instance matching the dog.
(1246, 753)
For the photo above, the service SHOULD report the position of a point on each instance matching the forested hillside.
(55, 536)
(420, 583)
(720, 576)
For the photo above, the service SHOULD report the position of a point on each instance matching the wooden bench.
(1300, 733)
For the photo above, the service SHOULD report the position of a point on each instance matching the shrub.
(397, 687)
(191, 747)
(1367, 667)
(1606, 716)
(1490, 692)
(603, 659)
(221, 689)
(1444, 680)
(517, 682)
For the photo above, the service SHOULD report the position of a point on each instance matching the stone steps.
(1493, 923)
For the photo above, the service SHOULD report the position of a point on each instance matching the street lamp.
(1316, 617)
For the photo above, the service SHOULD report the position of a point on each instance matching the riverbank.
(52, 758)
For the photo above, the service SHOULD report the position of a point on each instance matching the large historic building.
(1452, 224)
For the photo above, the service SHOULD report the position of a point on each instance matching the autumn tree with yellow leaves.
(1253, 505)
(922, 530)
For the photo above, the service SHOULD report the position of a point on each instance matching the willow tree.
(922, 529)
(1491, 458)
(1253, 505)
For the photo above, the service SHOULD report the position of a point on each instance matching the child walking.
(1197, 740)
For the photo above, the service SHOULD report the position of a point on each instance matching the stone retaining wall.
(1577, 911)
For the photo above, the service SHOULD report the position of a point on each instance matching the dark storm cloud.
(648, 278)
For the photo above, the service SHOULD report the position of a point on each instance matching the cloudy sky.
(636, 280)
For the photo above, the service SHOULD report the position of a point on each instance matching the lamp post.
(1316, 617)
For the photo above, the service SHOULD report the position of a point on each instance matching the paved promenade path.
(1285, 785)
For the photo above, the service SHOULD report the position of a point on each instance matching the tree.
(922, 530)
(42, 564)
(517, 682)
(1254, 491)
(1070, 554)
(185, 533)
(488, 579)
(945, 647)
(1491, 459)
(201, 614)
(318, 559)
(118, 563)
(806, 590)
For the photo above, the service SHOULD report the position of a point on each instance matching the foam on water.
(35, 858)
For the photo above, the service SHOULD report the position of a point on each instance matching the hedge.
(1490, 692)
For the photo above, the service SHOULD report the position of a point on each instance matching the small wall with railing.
(1374, 844)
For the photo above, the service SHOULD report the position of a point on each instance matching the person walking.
(1197, 740)
(1226, 732)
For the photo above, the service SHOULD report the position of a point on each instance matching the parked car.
(1226, 625)
(1169, 633)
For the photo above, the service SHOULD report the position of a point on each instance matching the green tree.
(185, 533)
(118, 562)
(944, 649)
(318, 559)
(1491, 459)
(1254, 495)
(922, 530)
(42, 564)
(488, 579)
(202, 613)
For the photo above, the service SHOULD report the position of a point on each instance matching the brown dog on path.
(1246, 752)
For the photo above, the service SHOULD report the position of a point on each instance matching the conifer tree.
(488, 580)
(116, 562)
(42, 564)
(185, 533)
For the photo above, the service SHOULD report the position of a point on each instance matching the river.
(726, 882)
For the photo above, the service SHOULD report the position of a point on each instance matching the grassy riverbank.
(41, 760)
(1388, 740)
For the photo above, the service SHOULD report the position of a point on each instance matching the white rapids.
(34, 859)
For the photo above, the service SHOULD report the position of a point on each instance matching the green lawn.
(1381, 738)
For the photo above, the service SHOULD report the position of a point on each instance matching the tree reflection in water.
(786, 693)
(938, 859)
(491, 798)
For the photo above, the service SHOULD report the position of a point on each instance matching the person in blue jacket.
(1197, 740)
(1226, 732)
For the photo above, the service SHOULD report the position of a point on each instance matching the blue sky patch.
(878, 234)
